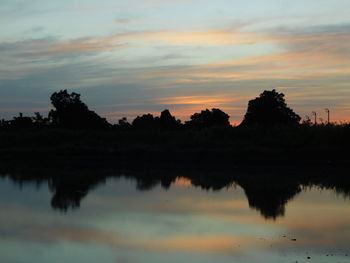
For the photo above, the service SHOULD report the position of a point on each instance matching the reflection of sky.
(128, 58)
(117, 223)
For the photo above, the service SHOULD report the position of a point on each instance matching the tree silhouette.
(71, 112)
(21, 122)
(167, 121)
(269, 109)
(208, 119)
(146, 121)
(39, 120)
(123, 123)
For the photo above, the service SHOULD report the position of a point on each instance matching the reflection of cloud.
(190, 221)
(204, 244)
(183, 181)
(41, 233)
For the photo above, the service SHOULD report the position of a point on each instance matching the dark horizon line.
(124, 119)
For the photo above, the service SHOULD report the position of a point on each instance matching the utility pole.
(327, 111)
(315, 114)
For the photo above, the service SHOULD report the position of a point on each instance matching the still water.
(124, 219)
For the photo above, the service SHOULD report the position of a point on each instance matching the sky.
(128, 58)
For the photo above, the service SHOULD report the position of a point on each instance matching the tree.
(123, 123)
(167, 121)
(71, 112)
(146, 121)
(209, 118)
(39, 120)
(21, 122)
(269, 109)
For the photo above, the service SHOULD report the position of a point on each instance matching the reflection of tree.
(267, 192)
(270, 197)
(214, 183)
(63, 199)
(70, 190)
(267, 196)
(149, 181)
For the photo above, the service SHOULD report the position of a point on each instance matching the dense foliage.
(71, 112)
(270, 109)
(209, 119)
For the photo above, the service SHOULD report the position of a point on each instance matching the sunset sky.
(132, 57)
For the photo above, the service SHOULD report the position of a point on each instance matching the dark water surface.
(172, 217)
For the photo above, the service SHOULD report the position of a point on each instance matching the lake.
(166, 216)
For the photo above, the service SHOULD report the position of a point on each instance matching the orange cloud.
(50, 47)
(205, 38)
(213, 100)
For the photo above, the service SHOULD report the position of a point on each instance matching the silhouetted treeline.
(148, 122)
(270, 133)
(69, 112)
(267, 110)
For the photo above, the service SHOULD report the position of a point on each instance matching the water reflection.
(267, 190)
(173, 215)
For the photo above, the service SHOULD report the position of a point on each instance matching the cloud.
(158, 3)
(124, 21)
(314, 42)
(144, 71)
(193, 100)
(51, 47)
(55, 47)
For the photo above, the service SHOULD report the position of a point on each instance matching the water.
(177, 219)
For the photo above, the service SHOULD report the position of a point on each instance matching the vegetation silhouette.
(21, 122)
(123, 123)
(148, 122)
(168, 121)
(209, 119)
(70, 112)
(267, 191)
(269, 109)
(270, 133)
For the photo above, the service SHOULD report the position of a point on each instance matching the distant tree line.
(267, 110)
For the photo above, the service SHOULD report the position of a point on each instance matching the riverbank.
(326, 145)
